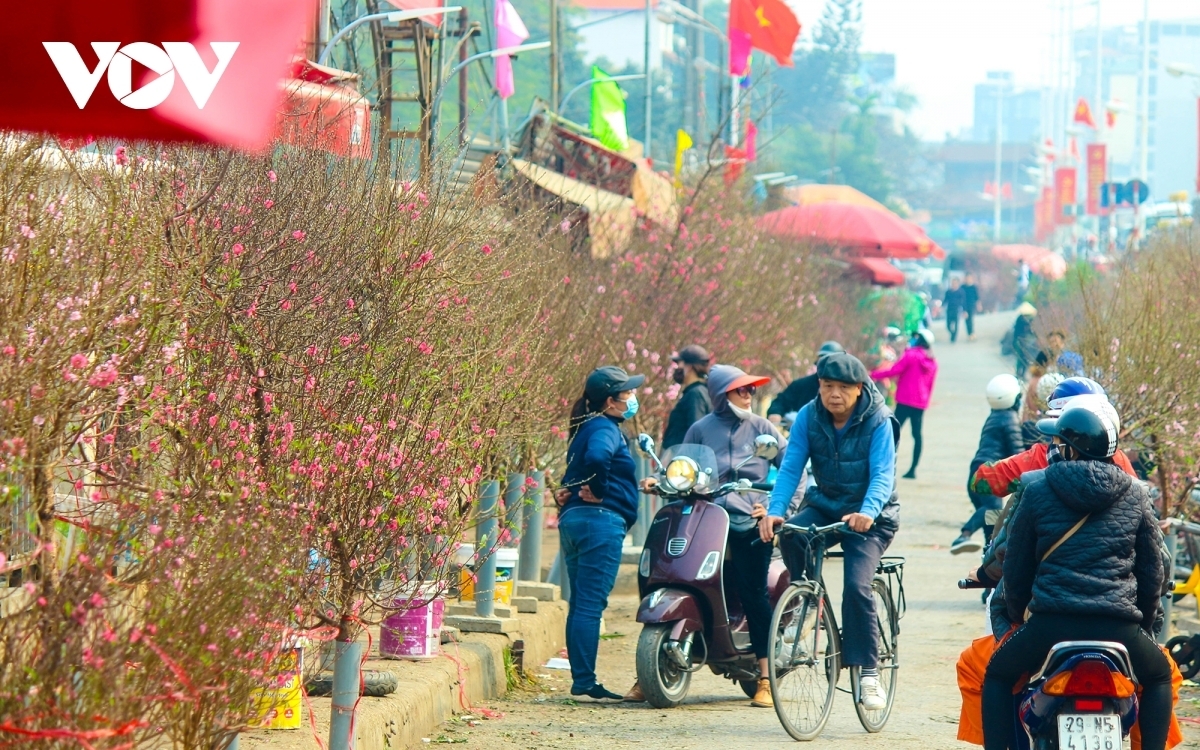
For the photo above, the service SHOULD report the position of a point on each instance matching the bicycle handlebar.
(967, 583)
(791, 528)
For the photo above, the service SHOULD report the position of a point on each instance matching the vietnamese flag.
(767, 25)
(1083, 114)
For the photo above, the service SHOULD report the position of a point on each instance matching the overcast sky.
(944, 47)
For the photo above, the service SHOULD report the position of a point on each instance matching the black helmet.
(1086, 428)
(830, 347)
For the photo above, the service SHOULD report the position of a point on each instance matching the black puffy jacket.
(1000, 438)
(1112, 566)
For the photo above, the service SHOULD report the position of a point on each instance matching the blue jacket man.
(850, 436)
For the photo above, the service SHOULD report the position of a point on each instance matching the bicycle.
(805, 641)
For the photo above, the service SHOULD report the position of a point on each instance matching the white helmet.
(926, 337)
(1097, 403)
(1046, 386)
(1003, 392)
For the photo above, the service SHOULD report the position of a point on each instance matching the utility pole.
(1144, 117)
(554, 52)
(649, 95)
(999, 160)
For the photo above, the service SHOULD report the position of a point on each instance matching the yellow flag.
(683, 142)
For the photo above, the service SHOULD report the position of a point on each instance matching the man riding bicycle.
(850, 435)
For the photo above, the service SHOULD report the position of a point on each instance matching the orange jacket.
(1000, 478)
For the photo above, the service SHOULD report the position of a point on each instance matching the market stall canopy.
(1041, 261)
(206, 70)
(877, 271)
(610, 216)
(858, 230)
(807, 195)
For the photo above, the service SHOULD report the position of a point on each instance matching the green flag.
(608, 111)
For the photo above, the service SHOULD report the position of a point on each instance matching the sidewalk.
(471, 670)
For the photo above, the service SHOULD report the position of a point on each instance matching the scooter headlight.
(682, 473)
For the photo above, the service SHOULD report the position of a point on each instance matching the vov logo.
(166, 61)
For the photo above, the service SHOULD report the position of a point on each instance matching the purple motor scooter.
(691, 618)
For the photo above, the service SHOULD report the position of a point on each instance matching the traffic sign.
(1134, 192)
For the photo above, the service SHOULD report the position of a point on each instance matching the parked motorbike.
(1082, 698)
(691, 617)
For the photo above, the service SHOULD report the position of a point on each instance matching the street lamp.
(631, 77)
(1180, 70)
(494, 53)
(393, 17)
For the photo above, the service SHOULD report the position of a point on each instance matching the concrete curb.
(430, 691)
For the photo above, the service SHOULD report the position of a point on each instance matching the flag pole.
(648, 96)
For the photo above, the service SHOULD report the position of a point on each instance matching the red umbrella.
(860, 230)
(195, 70)
(877, 271)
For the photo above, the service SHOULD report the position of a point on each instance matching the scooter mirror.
(766, 446)
(645, 443)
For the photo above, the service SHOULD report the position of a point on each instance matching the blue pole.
(486, 533)
(514, 507)
(530, 562)
(346, 665)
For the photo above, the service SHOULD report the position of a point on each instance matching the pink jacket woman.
(915, 373)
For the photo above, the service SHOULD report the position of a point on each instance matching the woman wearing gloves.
(598, 503)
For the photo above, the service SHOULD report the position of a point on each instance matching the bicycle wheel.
(805, 659)
(887, 632)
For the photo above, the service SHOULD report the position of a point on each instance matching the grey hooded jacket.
(732, 440)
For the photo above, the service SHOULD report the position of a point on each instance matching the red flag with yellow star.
(1083, 114)
(767, 25)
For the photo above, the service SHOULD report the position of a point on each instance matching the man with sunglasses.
(730, 430)
(850, 435)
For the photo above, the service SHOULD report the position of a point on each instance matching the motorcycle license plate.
(1089, 732)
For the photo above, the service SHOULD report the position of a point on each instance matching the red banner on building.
(1064, 195)
(1097, 168)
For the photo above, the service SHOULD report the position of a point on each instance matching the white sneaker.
(873, 697)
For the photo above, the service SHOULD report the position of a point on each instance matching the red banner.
(1043, 214)
(1064, 195)
(1097, 168)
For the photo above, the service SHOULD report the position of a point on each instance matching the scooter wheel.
(1185, 654)
(664, 684)
(749, 687)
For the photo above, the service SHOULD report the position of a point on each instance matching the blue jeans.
(591, 540)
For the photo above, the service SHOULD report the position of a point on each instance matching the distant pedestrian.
(598, 503)
(691, 372)
(915, 373)
(1024, 338)
(971, 304)
(1023, 276)
(800, 391)
(954, 302)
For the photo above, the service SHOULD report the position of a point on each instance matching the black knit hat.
(842, 367)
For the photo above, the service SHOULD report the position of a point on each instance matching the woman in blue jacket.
(598, 503)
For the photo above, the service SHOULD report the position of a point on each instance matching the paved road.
(940, 620)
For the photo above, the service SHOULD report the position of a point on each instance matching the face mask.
(743, 414)
(1054, 455)
(631, 407)
(677, 375)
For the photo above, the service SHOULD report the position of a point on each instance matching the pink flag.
(510, 31)
(751, 140)
(739, 52)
